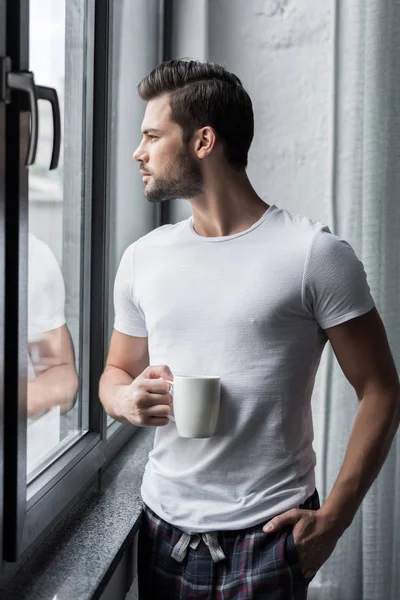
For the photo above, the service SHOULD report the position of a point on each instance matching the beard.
(184, 181)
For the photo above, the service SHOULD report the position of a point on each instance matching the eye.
(152, 137)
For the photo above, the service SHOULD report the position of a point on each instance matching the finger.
(291, 517)
(146, 417)
(149, 399)
(155, 416)
(158, 385)
(154, 386)
(157, 411)
(155, 372)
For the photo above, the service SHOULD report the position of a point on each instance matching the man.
(52, 377)
(252, 293)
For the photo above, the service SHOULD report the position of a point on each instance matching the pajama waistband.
(192, 540)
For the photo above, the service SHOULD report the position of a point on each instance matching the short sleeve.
(128, 319)
(335, 287)
(46, 290)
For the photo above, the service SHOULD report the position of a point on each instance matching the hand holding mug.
(146, 401)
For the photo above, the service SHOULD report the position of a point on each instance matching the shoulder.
(161, 235)
(42, 262)
(149, 240)
(301, 236)
(313, 243)
(39, 250)
(300, 225)
(46, 289)
(320, 237)
(158, 236)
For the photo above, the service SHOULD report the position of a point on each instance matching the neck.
(228, 205)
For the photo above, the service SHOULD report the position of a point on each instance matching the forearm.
(55, 387)
(373, 430)
(111, 385)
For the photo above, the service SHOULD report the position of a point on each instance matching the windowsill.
(79, 556)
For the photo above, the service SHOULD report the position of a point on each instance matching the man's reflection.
(52, 377)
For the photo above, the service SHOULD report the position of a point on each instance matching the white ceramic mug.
(196, 405)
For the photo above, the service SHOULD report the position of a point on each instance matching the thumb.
(291, 517)
(157, 371)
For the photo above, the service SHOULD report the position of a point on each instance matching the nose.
(140, 155)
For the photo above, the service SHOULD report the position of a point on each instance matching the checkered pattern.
(258, 566)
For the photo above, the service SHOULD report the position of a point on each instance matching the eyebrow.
(146, 131)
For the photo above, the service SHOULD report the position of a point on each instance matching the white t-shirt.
(46, 300)
(249, 307)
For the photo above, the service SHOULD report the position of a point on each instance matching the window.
(48, 425)
(62, 233)
(56, 413)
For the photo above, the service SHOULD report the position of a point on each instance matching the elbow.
(395, 398)
(71, 397)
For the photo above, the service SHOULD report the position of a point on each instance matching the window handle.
(50, 94)
(24, 82)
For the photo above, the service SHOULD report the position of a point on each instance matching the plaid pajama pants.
(245, 564)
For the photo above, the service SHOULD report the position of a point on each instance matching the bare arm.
(127, 357)
(130, 390)
(56, 380)
(362, 350)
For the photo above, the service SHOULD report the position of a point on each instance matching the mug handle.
(170, 417)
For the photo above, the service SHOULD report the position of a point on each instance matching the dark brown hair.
(201, 94)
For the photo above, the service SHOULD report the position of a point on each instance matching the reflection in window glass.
(55, 418)
(135, 34)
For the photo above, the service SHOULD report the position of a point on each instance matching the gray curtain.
(366, 211)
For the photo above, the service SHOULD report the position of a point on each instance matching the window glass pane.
(136, 27)
(55, 415)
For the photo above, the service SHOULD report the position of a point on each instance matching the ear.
(204, 142)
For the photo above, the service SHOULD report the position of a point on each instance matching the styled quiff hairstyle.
(201, 94)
